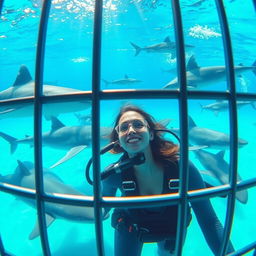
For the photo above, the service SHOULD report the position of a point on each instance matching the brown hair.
(161, 148)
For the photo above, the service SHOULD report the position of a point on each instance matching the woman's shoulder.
(114, 179)
(195, 178)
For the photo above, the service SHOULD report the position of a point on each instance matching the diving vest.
(157, 223)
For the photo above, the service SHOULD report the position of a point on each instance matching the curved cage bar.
(181, 66)
(38, 126)
(95, 123)
(233, 120)
(96, 96)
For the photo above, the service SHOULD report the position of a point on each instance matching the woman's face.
(133, 133)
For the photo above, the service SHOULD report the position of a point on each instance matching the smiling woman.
(137, 132)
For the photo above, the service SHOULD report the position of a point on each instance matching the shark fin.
(192, 66)
(56, 124)
(167, 40)
(221, 154)
(9, 110)
(137, 48)
(71, 153)
(191, 122)
(11, 140)
(23, 168)
(164, 122)
(35, 232)
(23, 76)
(242, 196)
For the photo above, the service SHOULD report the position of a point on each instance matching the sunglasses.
(136, 124)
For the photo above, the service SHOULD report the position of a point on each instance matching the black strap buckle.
(129, 185)
(174, 184)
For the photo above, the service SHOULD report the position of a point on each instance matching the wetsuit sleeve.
(110, 186)
(205, 214)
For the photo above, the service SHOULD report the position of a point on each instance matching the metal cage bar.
(1, 6)
(126, 202)
(95, 125)
(38, 127)
(183, 116)
(233, 123)
(98, 95)
(2, 250)
(244, 250)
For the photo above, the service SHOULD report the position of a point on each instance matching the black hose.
(130, 161)
(102, 151)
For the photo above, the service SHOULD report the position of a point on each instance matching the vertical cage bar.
(233, 122)
(2, 250)
(183, 115)
(95, 124)
(1, 6)
(244, 250)
(38, 126)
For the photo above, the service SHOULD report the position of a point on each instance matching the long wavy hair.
(161, 148)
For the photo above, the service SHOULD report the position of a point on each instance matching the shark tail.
(253, 105)
(202, 107)
(254, 65)
(106, 82)
(11, 140)
(137, 48)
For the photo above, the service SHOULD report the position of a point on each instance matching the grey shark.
(217, 167)
(124, 81)
(167, 46)
(24, 87)
(24, 176)
(198, 77)
(195, 4)
(71, 138)
(223, 105)
(204, 137)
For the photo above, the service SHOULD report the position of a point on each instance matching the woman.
(135, 131)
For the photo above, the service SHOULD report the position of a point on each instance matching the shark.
(196, 4)
(74, 139)
(217, 167)
(208, 138)
(167, 46)
(222, 105)
(198, 77)
(24, 86)
(24, 176)
(124, 81)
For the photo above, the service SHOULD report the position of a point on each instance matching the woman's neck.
(148, 166)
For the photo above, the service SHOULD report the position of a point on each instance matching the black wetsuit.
(127, 240)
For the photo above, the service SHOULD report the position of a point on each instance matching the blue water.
(68, 62)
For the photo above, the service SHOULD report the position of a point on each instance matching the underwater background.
(68, 63)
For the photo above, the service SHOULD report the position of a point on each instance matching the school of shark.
(74, 139)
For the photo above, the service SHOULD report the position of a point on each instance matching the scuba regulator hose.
(121, 165)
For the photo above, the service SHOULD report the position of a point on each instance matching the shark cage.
(67, 66)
